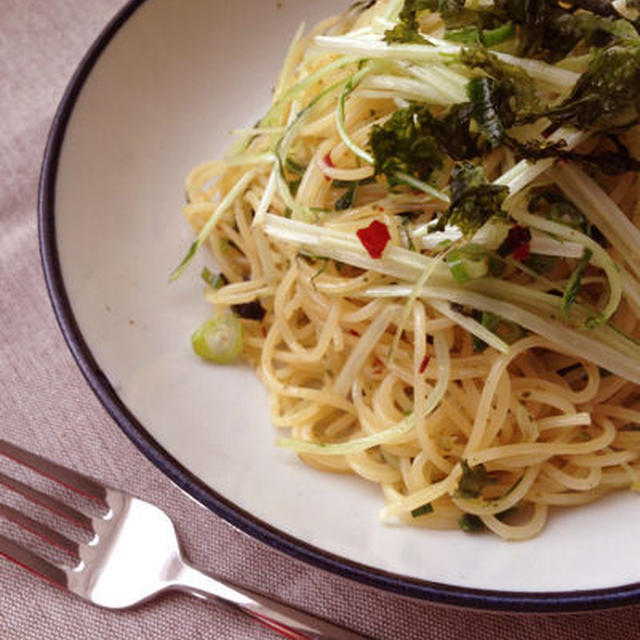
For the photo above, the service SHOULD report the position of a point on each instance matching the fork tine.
(41, 530)
(33, 562)
(44, 500)
(67, 477)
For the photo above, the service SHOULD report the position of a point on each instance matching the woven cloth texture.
(45, 405)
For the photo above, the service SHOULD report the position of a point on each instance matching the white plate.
(156, 95)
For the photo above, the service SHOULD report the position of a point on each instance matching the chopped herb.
(347, 199)
(214, 280)
(415, 142)
(473, 481)
(346, 184)
(294, 185)
(319, 272)
(473, 199)
(541, 264)
(565, 370)
(573, 286)
(407, 30)
(470, 523)
(487, 37)
(294, 166)
(481, 92)
(468, 262)
(249, 310)
(508, 331)
(460, 308)
(405, 144)
(406, 222)
(424, 510)
(494, 37)
(489, 321)
(556, 207)
(613, 162)
(456, 133)
(514, 90)
(606, 94)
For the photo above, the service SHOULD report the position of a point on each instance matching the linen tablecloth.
(46, 406)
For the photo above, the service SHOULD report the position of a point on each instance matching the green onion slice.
(219, 340)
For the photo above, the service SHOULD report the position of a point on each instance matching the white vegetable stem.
(437, 51)
(525, 172)
(601, 211)
(582, 344)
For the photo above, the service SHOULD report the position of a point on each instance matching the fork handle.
(288, 621)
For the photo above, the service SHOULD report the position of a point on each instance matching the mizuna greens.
(430, 249)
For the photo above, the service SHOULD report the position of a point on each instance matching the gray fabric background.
(46, 405)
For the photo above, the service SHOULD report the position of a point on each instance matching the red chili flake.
(522, 252)
(378, 366)
(353, 332)
(424, 364)
(374, 238)
(517, 243)
(329, 163)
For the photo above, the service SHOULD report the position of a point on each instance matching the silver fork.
(133, 555)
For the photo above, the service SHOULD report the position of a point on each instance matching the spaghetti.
(478, 376)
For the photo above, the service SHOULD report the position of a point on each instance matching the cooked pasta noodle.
(471, 403)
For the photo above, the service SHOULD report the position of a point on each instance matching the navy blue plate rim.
(506, 601)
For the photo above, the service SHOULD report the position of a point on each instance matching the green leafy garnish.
(407, 30)
(486, 37)
(405, 144)
(514, 91)
(473, 200)
(607, 94)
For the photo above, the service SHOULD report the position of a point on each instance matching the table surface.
(46, 406)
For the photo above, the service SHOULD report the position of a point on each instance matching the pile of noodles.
(372, 364)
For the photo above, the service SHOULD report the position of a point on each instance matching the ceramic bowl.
(157, 94)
